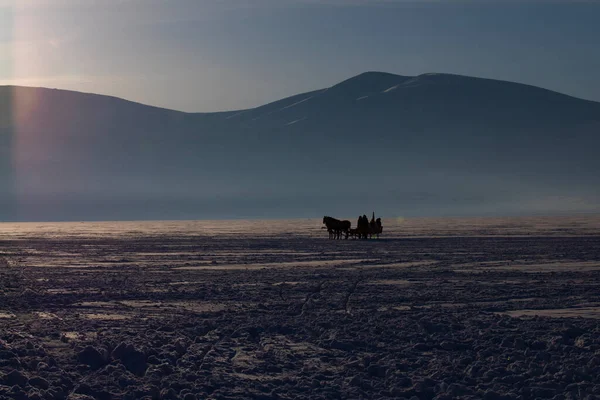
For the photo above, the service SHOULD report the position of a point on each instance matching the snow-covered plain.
(436, 308)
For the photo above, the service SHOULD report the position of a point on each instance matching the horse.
(329, 231)
(331, 226)
(335, 227)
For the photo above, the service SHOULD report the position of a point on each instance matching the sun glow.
(25, 52)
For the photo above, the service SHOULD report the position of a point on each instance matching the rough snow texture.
(441, 309)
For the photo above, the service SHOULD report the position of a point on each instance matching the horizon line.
(292, 95)
(557, 214)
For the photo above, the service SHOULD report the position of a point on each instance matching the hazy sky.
(211, 55)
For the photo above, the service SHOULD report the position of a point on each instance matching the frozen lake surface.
(436, 308)
(307, 228)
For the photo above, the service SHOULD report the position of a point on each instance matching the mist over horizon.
(431, 145)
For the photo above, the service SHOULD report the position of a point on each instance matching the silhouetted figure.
(365, 229)
(372, 226)
(379, 226)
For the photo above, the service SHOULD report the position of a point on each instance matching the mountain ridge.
(359, 77)
(427, 145)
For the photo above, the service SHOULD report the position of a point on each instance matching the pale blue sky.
(211, 55)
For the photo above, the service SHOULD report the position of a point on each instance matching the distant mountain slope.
(428, 145)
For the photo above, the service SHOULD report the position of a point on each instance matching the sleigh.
(364, 229)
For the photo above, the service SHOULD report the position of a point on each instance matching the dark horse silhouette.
(335, 227)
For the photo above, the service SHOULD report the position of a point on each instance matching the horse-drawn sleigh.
(364, 229)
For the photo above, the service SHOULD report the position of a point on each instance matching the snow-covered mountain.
(434, 144)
